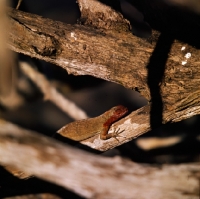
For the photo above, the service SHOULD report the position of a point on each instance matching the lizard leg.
(105, 135)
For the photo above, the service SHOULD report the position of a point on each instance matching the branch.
(84, 173)
(50, 93)
(35, 196)
(136, 124)
(6, 57)
(161, 69)
(194, 5)
(18, 4)
(98, 15)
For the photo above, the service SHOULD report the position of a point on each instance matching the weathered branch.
(50, 93)
(114, 56)
(98, 15)
(84, 173)
(136, 124)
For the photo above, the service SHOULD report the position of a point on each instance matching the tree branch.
(194, 5)
(84, 173)
(136, 124)
(50, 93)
(114, 56)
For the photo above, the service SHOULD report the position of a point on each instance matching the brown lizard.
(83, 129)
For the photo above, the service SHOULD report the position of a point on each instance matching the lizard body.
(83, 129)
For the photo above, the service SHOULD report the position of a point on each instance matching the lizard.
(82, 129)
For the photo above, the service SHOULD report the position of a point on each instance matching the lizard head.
(119, 111)
(115, 114)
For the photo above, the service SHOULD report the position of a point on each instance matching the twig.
(194, 5)
(157, 142)
(18, 4)
(52, 94)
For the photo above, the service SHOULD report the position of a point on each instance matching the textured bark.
(98, 15)
(160, 70)
(93, 176)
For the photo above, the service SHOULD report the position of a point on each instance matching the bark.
(165, 71)
(84, 173)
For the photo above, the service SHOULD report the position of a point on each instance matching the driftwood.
(92, 176)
